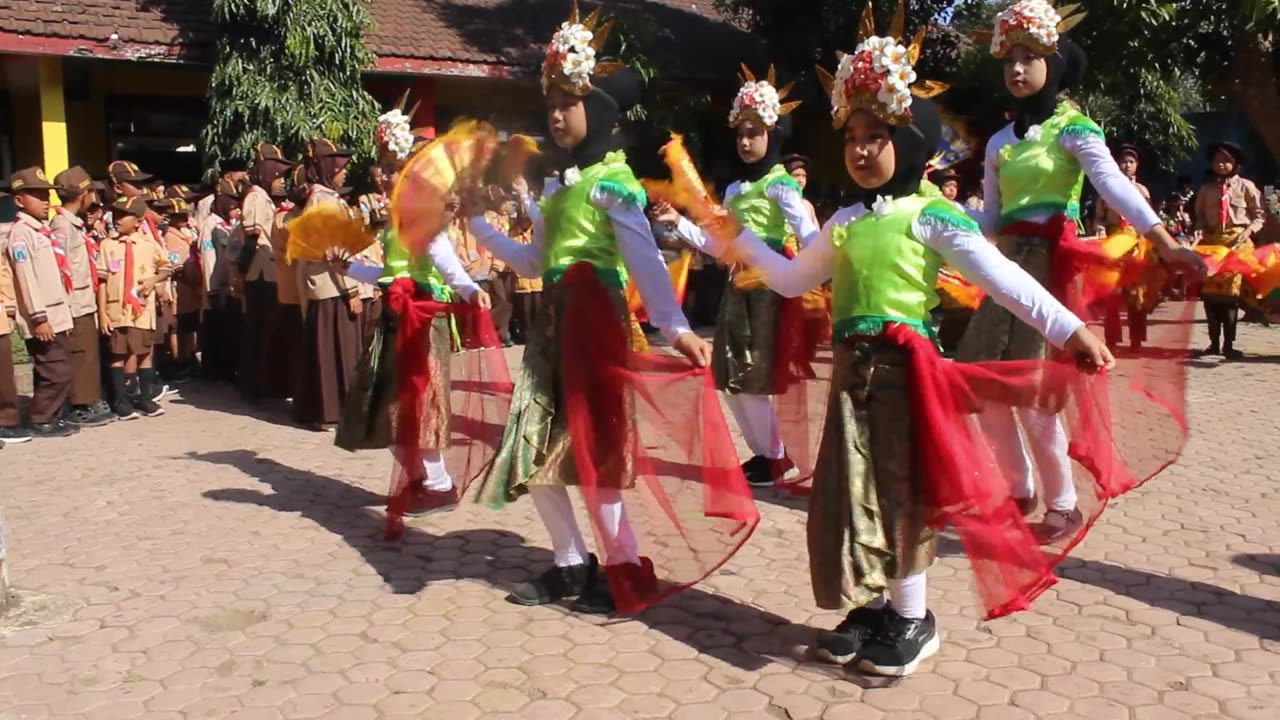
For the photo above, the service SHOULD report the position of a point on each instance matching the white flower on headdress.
(1036, 18)
(760, 98)
(901, 77)
(572, 176)
(1034, 133)
(839, 96)
(394, 134)
(894, 100)
(882, 206)
(571, 46)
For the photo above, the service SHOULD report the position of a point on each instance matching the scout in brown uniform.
(289, 332)
(219, 334)
(75, 190)
(132, 268)
(11, 430)
(234, 174)
(1228, 212)
(257, 269)
(43, 282)
(187, 282)
(333, 305)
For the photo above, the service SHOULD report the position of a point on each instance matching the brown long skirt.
(332, 345)
(86, 383)
(283, 360)
(256, 331)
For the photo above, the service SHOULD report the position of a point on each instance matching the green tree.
(288, 71)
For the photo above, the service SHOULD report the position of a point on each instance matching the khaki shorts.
(131, 341)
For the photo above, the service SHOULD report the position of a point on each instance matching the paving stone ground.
(217, 564)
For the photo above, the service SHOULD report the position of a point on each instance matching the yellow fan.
(420, 199)
(324, 230)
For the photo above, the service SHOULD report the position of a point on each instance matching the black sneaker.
(759, 471)
(900, 645)
(555, 584)
(148, 408)
(124, 410)
(86, 416)
(14, 435)
(1211, 350)
(636, 579)
(1232, 354)
(843, 643)
(55, 429)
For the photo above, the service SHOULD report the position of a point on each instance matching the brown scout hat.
(73, 180)
(1128, 149)
(125, 171)
(227, 187)
(173, 206)
(179, 192)
(321, 148)
(135, 206)
(266, 151)
(31, 178)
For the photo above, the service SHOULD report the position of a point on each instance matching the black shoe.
(55, 429)
(843, 643)
(1211, 350)
(124, 410)
(1232, 354)
(759, 471)
(147, 408)
(595, 598)
(555, 584)
(900, 645)
(637, 580)
(14, 435)
(85, 416)
(1057, 524)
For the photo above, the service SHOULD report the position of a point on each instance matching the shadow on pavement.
(1262, 563)
(711, 624)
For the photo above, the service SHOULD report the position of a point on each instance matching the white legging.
(758, 423)
(1047, 441)
(556, 510)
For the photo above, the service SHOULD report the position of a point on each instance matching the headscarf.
(778, 136)
(265, 172)
(1065, 69)
(320, 171)
(610, 97)
(913, 146)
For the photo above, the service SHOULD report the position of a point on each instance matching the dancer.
(768, 200)
(574, 415)
(1034, 170)
(1229, 212)
(896, 460)
(1140, 296)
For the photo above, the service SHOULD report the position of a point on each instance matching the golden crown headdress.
(761, 100)
(572, 54)
(1034, 23)
(879, 76)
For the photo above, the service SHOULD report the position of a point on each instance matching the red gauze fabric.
(479, 395)
(690, 508)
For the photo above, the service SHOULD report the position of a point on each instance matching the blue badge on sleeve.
(19, 253)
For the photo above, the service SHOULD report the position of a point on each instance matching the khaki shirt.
(84, 301)
(287, 291)
(217, 255)
(37, 281)
(258, 214)
(1106, 219)
(148, 261)
(183, 256)
(317, 280)
(475, 259)
(1244, 211)
(8, 301)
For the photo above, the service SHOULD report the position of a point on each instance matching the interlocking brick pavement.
(213, 564)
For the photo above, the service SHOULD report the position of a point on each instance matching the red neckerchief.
(285, 206)
(59, 249)
(90, 246)
(131, 297)
(1224, 203)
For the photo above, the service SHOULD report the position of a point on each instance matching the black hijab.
(1066, 67)
(609, 99)
(751, 172)
(913, 146)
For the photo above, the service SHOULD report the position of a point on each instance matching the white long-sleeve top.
(443, 258)
(1099, 166)
(789, 201)
(636, 244)
(966, 251)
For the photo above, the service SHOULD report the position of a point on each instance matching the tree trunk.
(1253, 82)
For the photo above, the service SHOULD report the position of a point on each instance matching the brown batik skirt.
(746, 340)
(994, 333)
(866, 523)
(332, 346)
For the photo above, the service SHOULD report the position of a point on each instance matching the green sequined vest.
(1039, 177)
(753, 208)
(578, 231)
(399, 263)
(883, 274)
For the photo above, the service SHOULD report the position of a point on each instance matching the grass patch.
(19, 350)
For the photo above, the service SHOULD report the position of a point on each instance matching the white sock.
(438, 478)
(1001, 430)
(909, 596)
(556, 511)
(620, 543)
(1048, 441)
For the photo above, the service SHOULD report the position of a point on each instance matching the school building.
(92, 81)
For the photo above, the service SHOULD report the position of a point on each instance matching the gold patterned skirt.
(994, 333)
(746, 340)
(1224, 288)
(371, 409)
(866, 523)
(536, 446)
